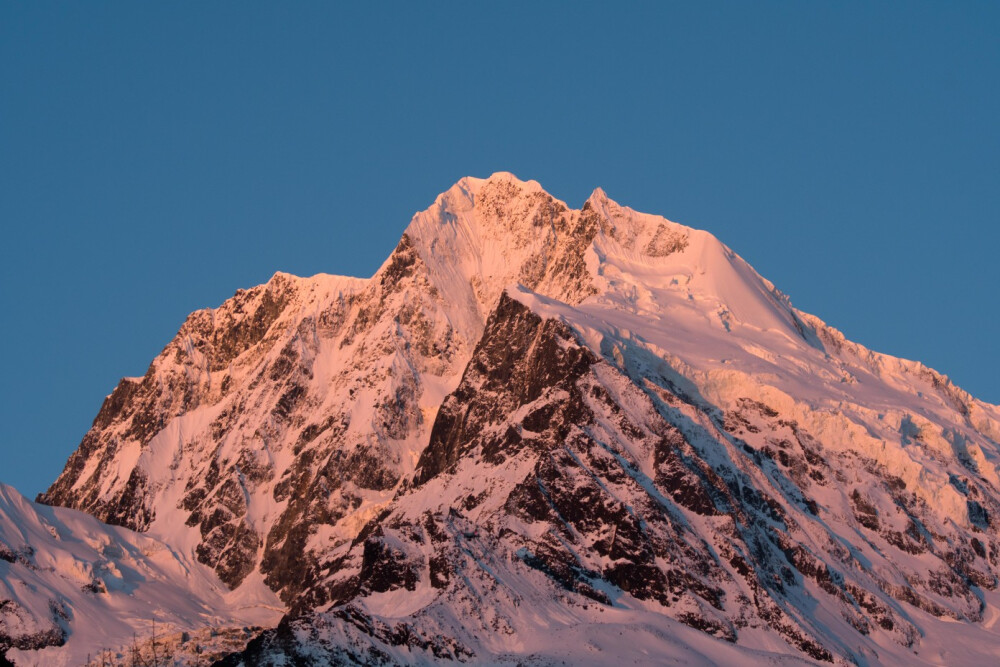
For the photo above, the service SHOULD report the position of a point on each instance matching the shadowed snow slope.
(539, 431)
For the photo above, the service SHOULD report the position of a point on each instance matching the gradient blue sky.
(155, 158)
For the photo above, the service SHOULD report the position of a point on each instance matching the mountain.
(288, 417)
(547, 434)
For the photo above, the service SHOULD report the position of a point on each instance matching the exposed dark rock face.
(19, 628)
(518, 352)
(347, 636)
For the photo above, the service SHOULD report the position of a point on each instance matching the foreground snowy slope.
(71, 586)
(537, 417)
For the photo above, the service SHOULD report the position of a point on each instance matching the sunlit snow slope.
(71, 586)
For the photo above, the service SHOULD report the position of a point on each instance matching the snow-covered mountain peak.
(483, 234)
(502, 177)
(464, 194)
(643, 420)
(598, 195)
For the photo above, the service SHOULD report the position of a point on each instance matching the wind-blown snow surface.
(77, 586)
(541, 431)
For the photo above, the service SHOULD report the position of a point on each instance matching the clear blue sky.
(154, 158)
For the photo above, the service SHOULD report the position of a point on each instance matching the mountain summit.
(553, 433)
